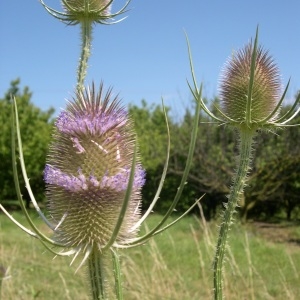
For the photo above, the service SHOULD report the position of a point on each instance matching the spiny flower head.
(92, 9)
(87, 171)
(236, 79)
(92, 5)
(249, 91)
(86, 11)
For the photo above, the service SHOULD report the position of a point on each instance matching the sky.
(145, 56)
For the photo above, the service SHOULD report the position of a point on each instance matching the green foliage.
(274, 182)
(36, 127)
(213, 161)
(170, 266)
(151, 130)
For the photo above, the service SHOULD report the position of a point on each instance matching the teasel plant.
(93, 173)
(86, 13)
(250, 102)
(93, 181)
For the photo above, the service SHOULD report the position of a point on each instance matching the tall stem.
(86, 38)
(101, 276)
(97, 275)
(246, 140)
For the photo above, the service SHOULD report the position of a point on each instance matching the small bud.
(235, 85)
(88, 169)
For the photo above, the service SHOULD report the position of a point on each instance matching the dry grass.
(174, 265)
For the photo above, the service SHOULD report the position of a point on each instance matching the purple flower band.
(86, 123)
(78, 183)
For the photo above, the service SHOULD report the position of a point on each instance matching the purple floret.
(85, 123)
(119, 181)
(78, 183)
(71, 183)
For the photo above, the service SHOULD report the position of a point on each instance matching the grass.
(175, 265)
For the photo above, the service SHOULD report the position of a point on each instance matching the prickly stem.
(244, 161)
(86, 38)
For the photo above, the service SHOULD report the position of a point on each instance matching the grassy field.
(263, 262)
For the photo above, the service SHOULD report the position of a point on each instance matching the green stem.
(100, 274)
(117, 274)
(246, 139)
(97, 275)
(86, 37)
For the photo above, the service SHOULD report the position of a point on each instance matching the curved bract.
(250, 91)
(92, 11)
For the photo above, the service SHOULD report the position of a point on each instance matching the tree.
(274, 184)
(213, 161)
(36, 127)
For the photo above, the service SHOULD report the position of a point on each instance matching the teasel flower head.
(86, 11)
(266, 85)
(87, 172)
(250, 91)
(94, 179)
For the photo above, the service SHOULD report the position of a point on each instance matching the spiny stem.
(86, 37)
(97, 274)
(246, 139)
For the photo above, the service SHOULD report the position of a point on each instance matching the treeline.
(36, 127)
(273, 185)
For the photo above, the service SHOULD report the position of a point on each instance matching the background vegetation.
(274, 183)
(173, 266)
(177, 263)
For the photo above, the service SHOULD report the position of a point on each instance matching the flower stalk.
(251, 102)
(97, 268)
(86, 13)
(86, 38)
(243, 165)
